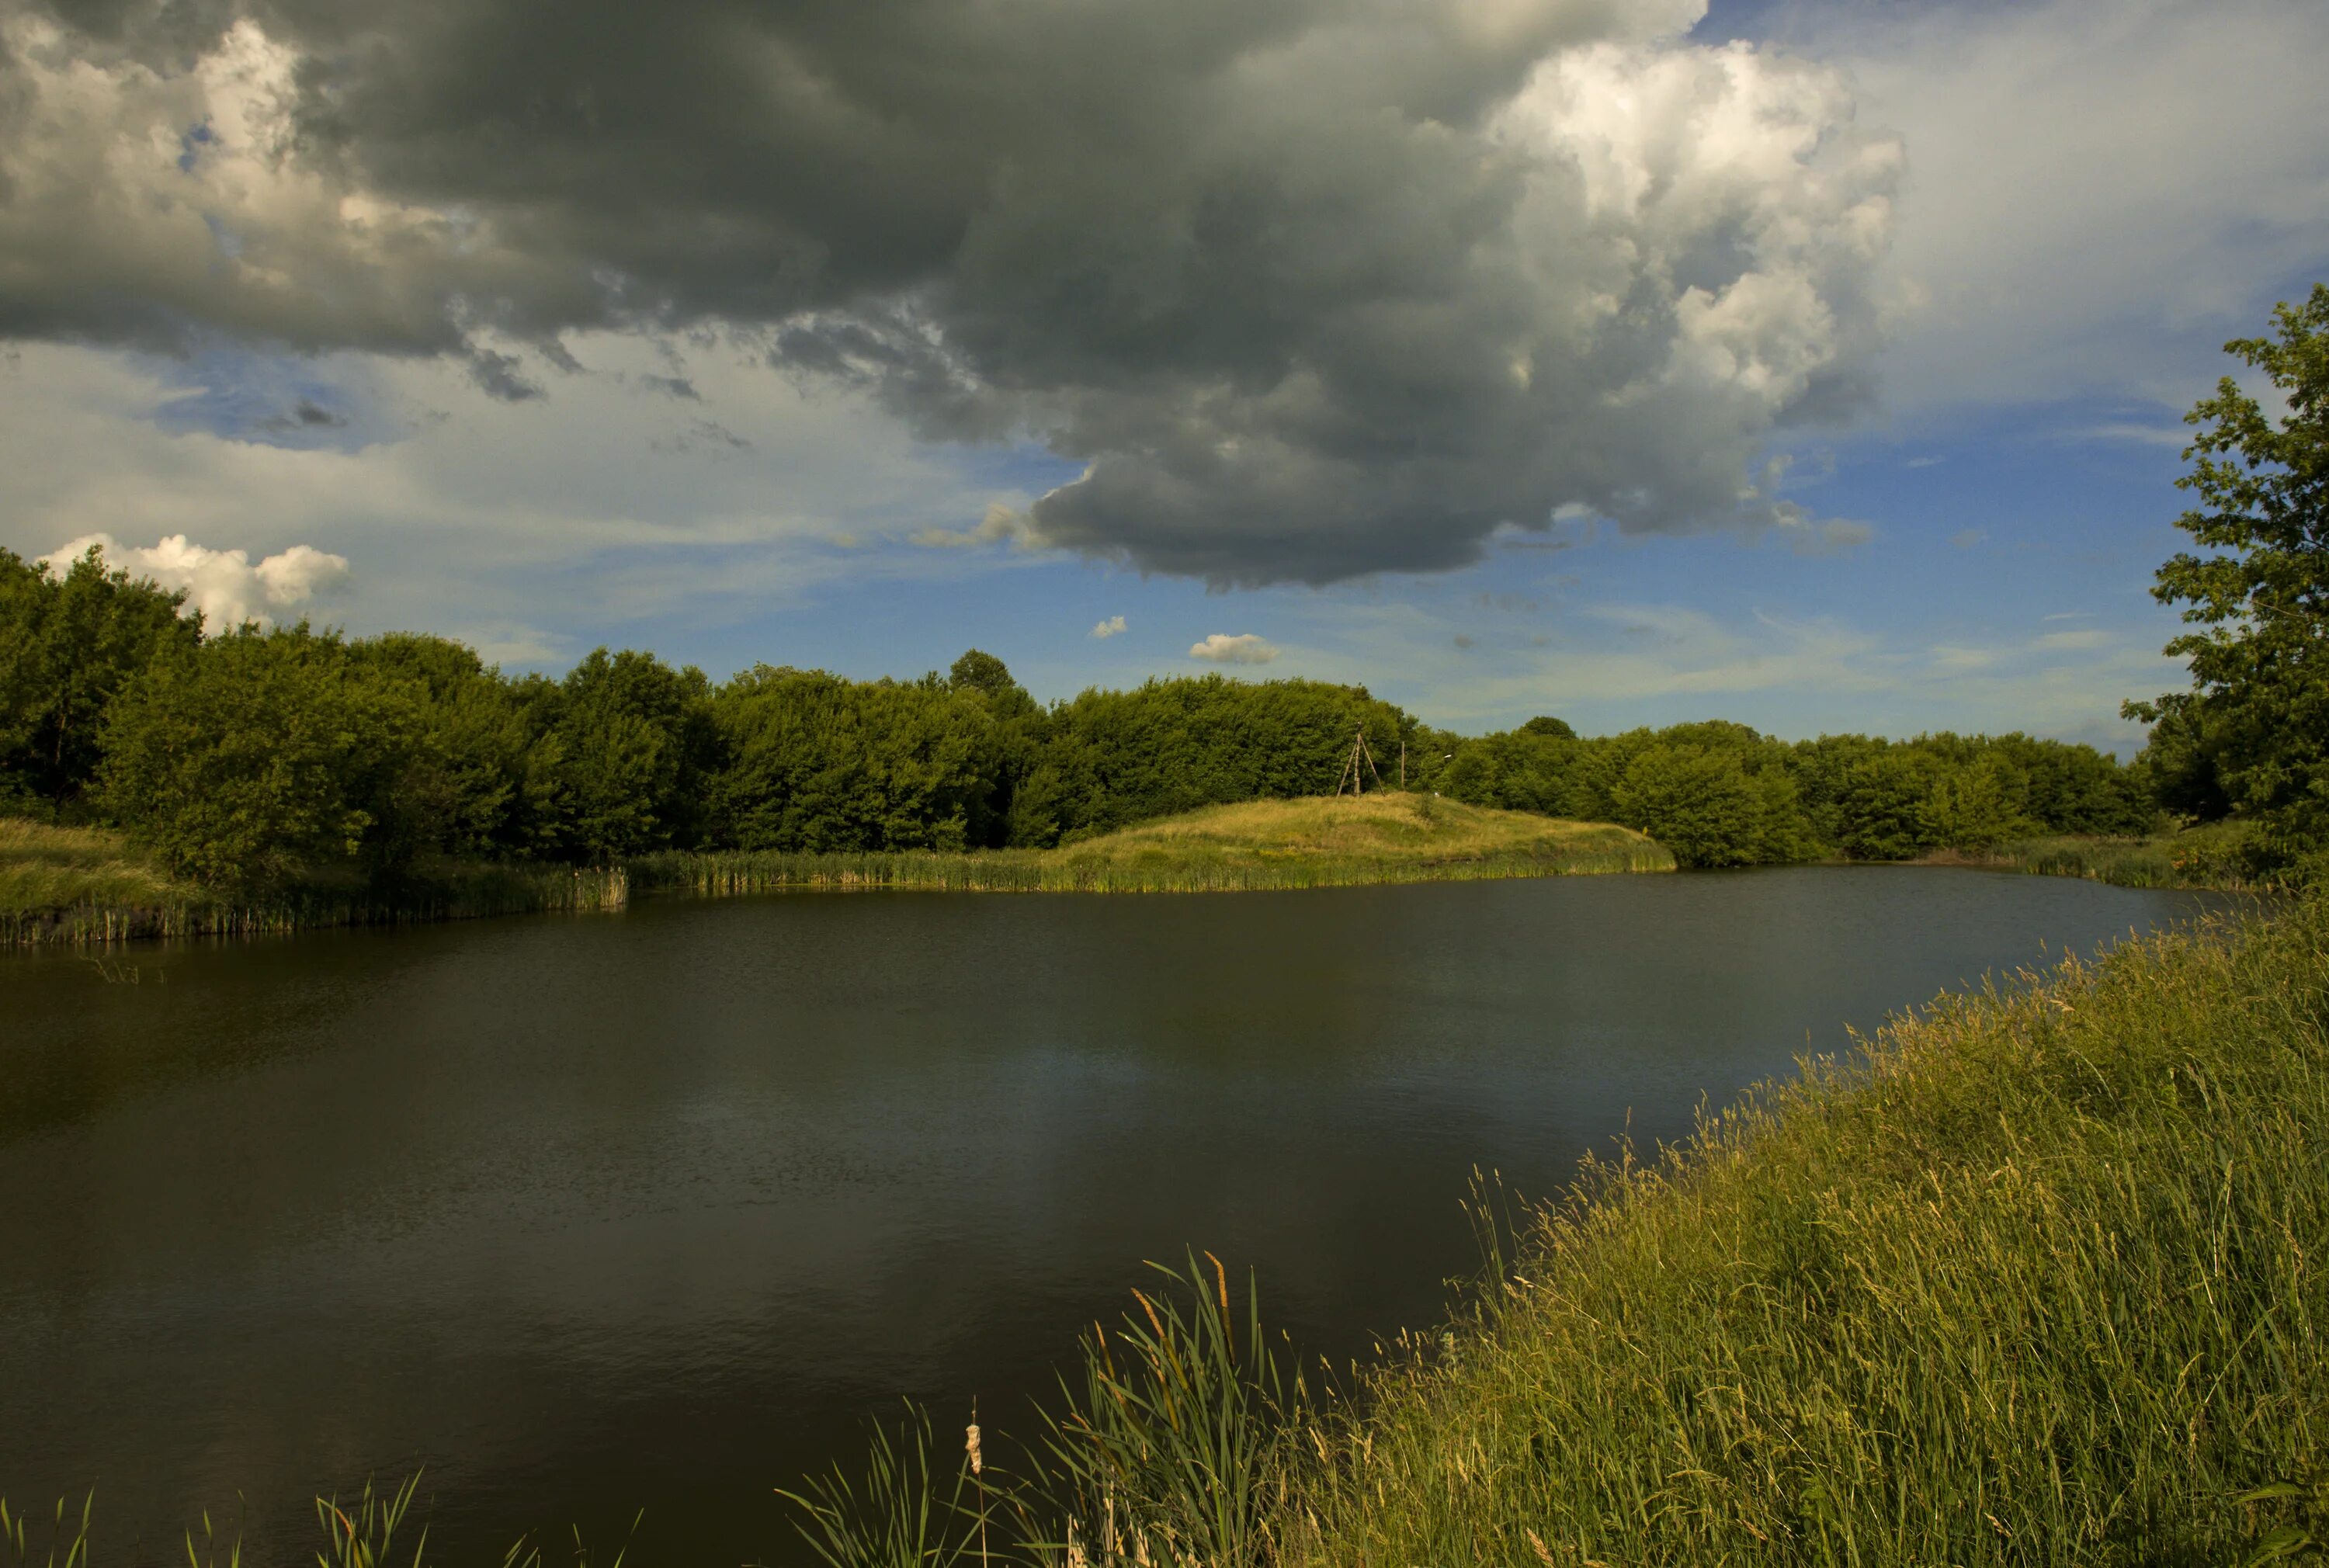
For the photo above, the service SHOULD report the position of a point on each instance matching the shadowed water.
(587, 1214)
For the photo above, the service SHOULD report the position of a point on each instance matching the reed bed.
(84, 885)
(2222, 855)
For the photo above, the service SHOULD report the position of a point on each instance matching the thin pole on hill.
(1360, 751)
(1402, 762)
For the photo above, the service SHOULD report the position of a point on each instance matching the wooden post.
(1402, 762)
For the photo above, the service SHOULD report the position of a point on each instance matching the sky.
(1813, 363)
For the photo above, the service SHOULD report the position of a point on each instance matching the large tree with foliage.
(257, 755)
(69, 641)
(2260, 657)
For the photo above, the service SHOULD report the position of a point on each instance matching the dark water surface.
(649, 1209)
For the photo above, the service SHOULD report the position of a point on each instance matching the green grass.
(1313, 843)
(2039, 1278)
(2227, 855)
(90, 884)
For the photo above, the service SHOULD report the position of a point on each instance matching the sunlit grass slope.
(2039, 1281)
(92, 885)
(1313, 843)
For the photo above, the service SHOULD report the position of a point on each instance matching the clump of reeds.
(60, 898)
(1168, 1445)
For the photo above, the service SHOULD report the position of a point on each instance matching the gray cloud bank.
(1310, 289)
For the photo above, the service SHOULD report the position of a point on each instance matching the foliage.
(628, 752)
(1111, 758)
(253, 754)
(69, 644)
(2258, 706)
(253, 759)
(818, 763)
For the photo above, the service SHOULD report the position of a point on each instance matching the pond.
(651, 1210)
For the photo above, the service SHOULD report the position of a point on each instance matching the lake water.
(649, 1210)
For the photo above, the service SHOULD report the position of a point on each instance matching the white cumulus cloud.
(222, 584)
(1221, 648)
(1109, 627)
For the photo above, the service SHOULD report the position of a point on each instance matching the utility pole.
(1402, 762)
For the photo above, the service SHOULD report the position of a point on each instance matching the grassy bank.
(2037, 1280)
(1313, 843)
(88, 885)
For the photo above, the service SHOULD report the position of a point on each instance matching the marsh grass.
(1252, 846)
(2226, 855)
(89, 885)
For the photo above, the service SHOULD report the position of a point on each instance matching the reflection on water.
(584, 1215)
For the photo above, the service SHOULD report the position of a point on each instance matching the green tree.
(257, 755)
(629, 752)
(69, 644)
(818, 763)
(1704, 804)
(2260, 663)
(1979, 805)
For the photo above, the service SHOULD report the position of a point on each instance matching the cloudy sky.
(1817, 366)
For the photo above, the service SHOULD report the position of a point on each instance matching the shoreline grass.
(2225, 856)
(87, 886)
(2035, 1278)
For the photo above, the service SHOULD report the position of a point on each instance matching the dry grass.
(44, 866)
(1389, 826)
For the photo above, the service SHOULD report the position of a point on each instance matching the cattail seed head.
(970, 1446)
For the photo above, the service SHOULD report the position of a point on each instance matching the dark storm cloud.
(1311, 289)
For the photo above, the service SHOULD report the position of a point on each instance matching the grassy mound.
(1318, 841)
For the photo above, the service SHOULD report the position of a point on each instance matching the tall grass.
(2227, 855)
(722, 873)
(2035, 1279)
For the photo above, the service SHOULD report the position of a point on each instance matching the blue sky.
(2092, 202)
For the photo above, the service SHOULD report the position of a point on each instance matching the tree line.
(255, 754)
(252, 755)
